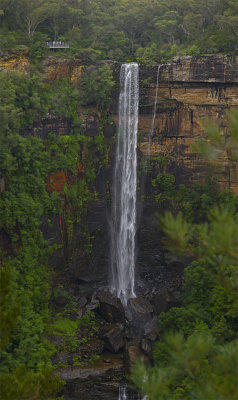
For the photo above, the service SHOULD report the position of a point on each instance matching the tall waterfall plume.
(123, 224)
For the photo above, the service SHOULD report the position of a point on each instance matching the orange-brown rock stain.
(19, 64)
(57, 68)
(56, 181)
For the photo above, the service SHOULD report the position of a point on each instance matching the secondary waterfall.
(154, 110)
(123, 224)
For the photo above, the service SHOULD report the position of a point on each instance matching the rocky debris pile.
(109, 340)
(114, 337)
(111, 308)
(99, 381)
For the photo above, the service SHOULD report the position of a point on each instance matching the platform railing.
(57, 45)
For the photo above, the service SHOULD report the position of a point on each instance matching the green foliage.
(9, 306)
(64, 327)
(194, 50)
(97, 87)
(25, 164)
(24, 101)
(26, 167)
(43, 385)
(77, 199)
(63, 151)
(194, 202)
(165, 182)
(37, 48)
(64, 100)
(75, 335)
(219, 142)
(190, 363)
(89, 321)
(150, 31)
(68, 330)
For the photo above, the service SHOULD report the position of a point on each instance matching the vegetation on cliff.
(145, 30)
(29, 197)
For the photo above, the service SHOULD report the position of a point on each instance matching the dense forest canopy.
(143, 30)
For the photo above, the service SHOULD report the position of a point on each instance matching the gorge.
(174, 101)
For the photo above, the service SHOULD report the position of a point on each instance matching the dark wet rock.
(50, 227)
(90, 123)
(138, 314)
(91, 390)
(110, 130)
(83, 353)
(139, 308)
(153, 335)
(82, 302)
(111, 308)
(92, 347)
(98, 371)
(65, 357)
(163, 300)
(75, 315)
(134, 353)
(114, 338)
(129, 334)
(151, 328)
(175, 263)
(57, 340)
(61, 300)
(92, 306)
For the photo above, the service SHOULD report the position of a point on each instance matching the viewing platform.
(57, 45)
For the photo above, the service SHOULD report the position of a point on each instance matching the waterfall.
(126, 394)
(122, 392)
(123, 224)
(154, 110)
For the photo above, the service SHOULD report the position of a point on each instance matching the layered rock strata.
(192, 90)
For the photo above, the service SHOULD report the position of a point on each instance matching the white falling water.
(122, 392)
(154, 110)
(123, 226)
(125, 394)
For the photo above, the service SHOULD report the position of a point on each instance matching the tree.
(129, 19)
(196, 369)
(97, 86)
(9, 306)
(29, 14)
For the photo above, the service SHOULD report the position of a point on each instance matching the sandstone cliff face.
(16, 62)
(192, 90)
(216, 68)
(56, 68)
